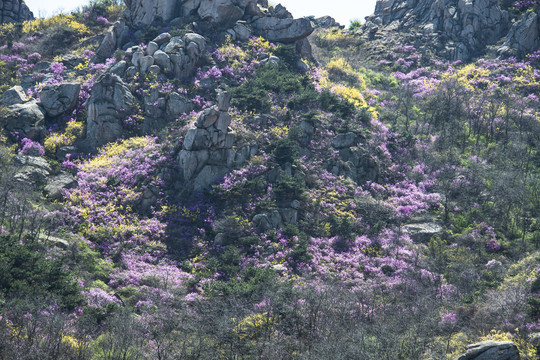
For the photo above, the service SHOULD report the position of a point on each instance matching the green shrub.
(26, 271)
(286, 151)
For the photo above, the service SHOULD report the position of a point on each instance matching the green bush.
(290, 188)
(26, 271)
(253, 94)
(286, 151)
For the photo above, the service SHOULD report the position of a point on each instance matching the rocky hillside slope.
(215, 179)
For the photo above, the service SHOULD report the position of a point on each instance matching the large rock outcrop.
(463, 27)
(110, 104)
(491, 350)
(524, 36)
(237, 18)
(14, 11)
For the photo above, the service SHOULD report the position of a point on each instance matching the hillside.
(214, 179)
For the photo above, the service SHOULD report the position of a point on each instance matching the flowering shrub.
(62, 20)
(29, 147)
(74, 130)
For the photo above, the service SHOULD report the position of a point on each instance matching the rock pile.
(14, 11)
(207, 153)
(178, 55)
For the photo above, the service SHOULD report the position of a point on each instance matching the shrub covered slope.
(351, 205)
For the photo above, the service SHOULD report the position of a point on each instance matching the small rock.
(262, 223)
(197, 139)
(131, 72)
(241, 31)
(224, 100)
(152, 48)
(119, 68)
(178, 105)
(154, 69)
(145, 63)
(207, 118)
(174, 45)
(42, 66)
(422, 232)
(136, 58)
(162, 60)
(34, 171)
(26, 118)
(223, 122)
(162, 39)
(55, 186)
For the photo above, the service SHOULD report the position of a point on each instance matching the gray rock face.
(58, 99)
(491, 350)
(27, 118)
(56, 185)
(143, 13)
(177, 54)
(283, 30)
(524, 36)
(111, 102)
(466, 26)
(14, 11)
(13, 96)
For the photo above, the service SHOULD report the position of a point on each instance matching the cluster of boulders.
(14, 11)
(178, 55)
(239, 19)
(26, 116)
(207, 152)
(461, 28)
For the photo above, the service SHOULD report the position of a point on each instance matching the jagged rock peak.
(466, 26)
(14, 11)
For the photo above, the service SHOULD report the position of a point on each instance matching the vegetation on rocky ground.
(313, 248)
